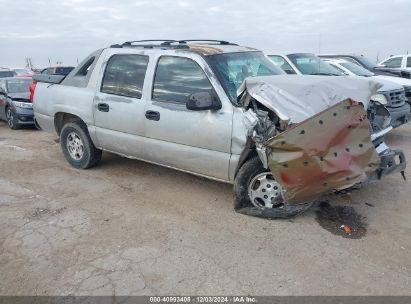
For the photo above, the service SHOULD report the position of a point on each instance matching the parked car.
(397, 62)
(222, 111)
(371, 66)
(57, 70)
(6, 73)
(351, 68)
(23, 72)
(15, 106)
(391, 95)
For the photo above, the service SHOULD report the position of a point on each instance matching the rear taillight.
(32, 88)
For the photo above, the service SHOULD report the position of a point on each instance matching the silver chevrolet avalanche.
(225, 112)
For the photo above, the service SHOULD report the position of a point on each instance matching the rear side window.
(409, 62)
(124, 75)
(177, 78)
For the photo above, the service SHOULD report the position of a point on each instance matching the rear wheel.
(78, 149)
(11, 119)
(257, 193)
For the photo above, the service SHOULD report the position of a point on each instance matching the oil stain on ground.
(335, 218)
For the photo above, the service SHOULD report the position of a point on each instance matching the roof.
(202, 47)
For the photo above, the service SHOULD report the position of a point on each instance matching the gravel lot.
(127, 227)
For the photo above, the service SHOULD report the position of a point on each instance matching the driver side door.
(194, 141)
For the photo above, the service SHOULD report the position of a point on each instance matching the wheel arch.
(61, 118)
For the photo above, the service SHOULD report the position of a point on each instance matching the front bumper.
(399, 116)
(25, 116)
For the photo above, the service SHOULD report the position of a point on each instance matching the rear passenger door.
(118, 105)
(195, 141)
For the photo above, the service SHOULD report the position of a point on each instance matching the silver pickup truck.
(221, 111)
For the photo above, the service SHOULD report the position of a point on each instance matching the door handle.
(103, 107)
(153, 115)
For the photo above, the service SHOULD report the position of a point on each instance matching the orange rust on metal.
(329, 151)
(205, 50)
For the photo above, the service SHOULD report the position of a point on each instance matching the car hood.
(387, 85)
(295, 98)
(397, 80)
(19, 95)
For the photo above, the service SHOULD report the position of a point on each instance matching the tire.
(248, 170)
(242, 202)
(78, 149)
(11, 119)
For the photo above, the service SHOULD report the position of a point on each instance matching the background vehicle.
(6, 73)
(23, 72)
(198, 107)
(57, 70)
(391, 95)
(15, 106)
(397, 62)
(304, 64)
(371, 66)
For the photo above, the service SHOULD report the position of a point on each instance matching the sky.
(67, 31)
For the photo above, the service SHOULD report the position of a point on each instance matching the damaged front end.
(317, 140)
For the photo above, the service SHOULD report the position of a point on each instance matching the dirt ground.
(131, 228)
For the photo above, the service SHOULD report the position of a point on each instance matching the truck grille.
(397, 98)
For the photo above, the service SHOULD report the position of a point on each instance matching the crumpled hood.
(295, 98)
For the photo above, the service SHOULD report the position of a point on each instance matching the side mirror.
(202, 101)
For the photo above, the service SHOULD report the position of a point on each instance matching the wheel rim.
(265, 192)
(10, 118)
(75, 146)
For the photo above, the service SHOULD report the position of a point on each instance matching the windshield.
(356, 69)
(232, 68)
(309, 64)
(7, 74)
(366, 62)
(18, 86)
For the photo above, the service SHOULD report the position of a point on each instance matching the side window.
(393, 62)
(284, 65)
(409, 62)
(177, 78)
(124, 75)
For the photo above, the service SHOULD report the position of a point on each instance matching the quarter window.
(124, 75)
(393, 62)
(409, 62)
(177, 78)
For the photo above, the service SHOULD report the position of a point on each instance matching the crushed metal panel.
(295, 98)
(329, 151)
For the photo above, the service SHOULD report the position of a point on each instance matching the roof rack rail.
(162, 43)
(167, 43)
(222, 42)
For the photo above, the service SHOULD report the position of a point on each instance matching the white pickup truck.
(221, 111)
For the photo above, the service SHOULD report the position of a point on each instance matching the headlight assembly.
(25, 105)
(379, 98)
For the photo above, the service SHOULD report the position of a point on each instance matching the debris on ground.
(341, 220)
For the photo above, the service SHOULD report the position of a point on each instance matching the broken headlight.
(379, 98)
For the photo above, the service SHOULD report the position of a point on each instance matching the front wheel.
(257, 193)
(78, 149)
(11, 119)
